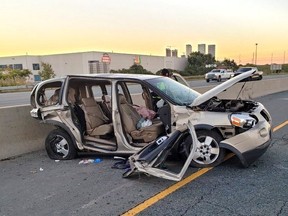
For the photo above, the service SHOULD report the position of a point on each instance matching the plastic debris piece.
(97, 160)
(119, 158)
(41, 169)
(86, 161)
(57, 161)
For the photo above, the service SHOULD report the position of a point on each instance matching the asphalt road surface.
(33, 184)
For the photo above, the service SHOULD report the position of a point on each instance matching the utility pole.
(256, 54)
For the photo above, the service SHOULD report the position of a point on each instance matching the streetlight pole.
(256, 54)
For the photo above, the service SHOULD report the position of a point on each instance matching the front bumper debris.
(250, 145)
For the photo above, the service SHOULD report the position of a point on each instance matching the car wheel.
(59, 145)
(207, 80)
(208, 152)
(260, 77)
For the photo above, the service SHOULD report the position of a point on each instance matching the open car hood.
(220, 88)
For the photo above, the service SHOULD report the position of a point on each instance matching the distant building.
(211, 49)
(202, 48)
(175, 53)
(91, 62)
(188, 49)
(168, 52)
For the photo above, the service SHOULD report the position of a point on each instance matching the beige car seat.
(130, 118)
(54, 99)
(148, 99)
(106, 106)
(97, 123)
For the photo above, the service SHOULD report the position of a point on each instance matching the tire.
(260, 77)
(207, 80)
(209, 154)
(59, 145)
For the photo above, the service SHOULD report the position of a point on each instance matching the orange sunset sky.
(39, 27)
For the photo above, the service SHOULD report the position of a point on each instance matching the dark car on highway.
(257, 75)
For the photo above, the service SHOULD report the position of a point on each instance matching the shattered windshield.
(175, 91)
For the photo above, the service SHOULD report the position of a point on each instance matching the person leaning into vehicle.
(165, 72)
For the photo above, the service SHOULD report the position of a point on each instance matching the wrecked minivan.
(121, 114)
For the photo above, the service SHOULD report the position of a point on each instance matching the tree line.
(197, 64)
(11, 77)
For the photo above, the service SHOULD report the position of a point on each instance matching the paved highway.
(35, 185)
(21, 98)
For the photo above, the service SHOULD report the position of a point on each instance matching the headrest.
(56, 92)
(71, 95)
(106, 98)
(122, 99)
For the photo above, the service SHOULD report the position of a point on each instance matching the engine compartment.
(223, 105)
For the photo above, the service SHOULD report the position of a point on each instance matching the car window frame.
(44, 86)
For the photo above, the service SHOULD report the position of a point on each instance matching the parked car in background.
(256, 75)
(177, 77)
(121, 114)
(218, 75)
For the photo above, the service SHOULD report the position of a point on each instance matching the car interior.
(91, 104)
(130, 118)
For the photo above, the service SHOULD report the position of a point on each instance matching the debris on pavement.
(89, 161)
(122, 163)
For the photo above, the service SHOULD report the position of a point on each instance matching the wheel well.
(209, 128)
(218, 131)
(64, 128)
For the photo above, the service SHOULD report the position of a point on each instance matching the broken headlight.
(244, 121)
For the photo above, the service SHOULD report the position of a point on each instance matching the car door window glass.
(97, 92)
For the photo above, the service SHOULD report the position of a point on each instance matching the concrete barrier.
(252, 89)
(20, 133)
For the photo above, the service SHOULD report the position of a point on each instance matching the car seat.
(97, 123)
(130, 117)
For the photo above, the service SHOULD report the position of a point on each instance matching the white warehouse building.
(90, 62)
